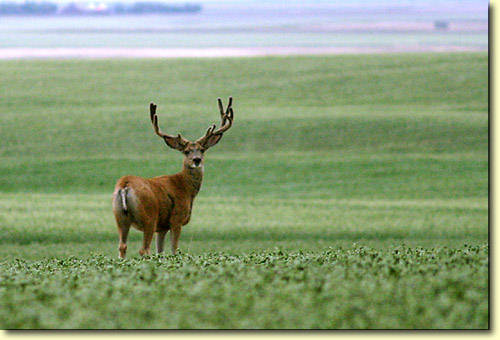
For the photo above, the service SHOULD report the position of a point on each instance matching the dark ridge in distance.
(47, 8)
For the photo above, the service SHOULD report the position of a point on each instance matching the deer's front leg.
(175, 233)
(160, 241)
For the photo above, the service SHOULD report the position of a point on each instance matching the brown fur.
(164, 203)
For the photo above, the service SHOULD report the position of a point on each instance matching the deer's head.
(194, 151)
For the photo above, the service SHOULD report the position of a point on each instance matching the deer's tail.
(123, 198)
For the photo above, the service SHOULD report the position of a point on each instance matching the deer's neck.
(193, 178)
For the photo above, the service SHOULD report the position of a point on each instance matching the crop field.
(351, 192)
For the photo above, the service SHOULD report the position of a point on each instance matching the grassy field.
(351, 192)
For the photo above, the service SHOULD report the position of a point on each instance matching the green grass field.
(351, 192)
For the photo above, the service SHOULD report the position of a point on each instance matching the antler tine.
(226, 120)
(225, 116)
(221, 106)
(221, 109)
(152, 110)
(154, 120)
(209, 131)
(228, 110)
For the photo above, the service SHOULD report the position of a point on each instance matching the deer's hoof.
(144, 252)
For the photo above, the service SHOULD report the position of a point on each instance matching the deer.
(164, 203)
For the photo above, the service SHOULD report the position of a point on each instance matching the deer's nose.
(197, 160)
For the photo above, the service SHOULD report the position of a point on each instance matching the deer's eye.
(186, 153)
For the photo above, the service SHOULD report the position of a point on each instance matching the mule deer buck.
(164, 203)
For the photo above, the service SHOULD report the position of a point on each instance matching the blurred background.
(198, 28)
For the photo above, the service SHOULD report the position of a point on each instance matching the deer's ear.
(212, 140)
(174, 142)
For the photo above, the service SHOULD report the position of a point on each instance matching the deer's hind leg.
(123, 234)
(148, 226)
(145, 219)
(123, 224)
(148, 231)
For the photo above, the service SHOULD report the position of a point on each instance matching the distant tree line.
(91, 8)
